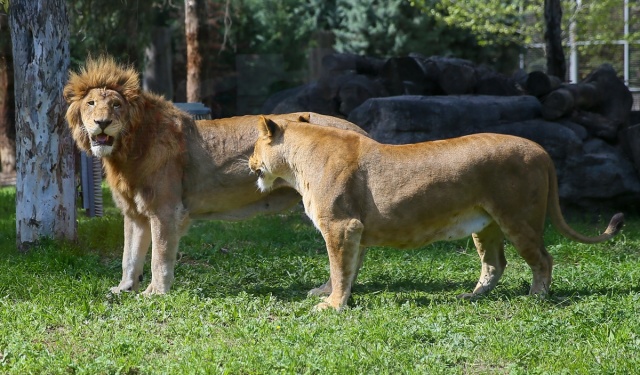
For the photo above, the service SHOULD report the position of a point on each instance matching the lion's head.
(103, 98)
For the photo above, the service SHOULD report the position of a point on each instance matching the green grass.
(239, 306)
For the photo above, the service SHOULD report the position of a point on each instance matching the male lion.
(163, 168)
(360, 193)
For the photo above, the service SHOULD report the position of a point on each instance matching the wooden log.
(586, 95)
(430, 85)
(457, 76)
(341, 62)
(496, 84)
(398, 70)
(563, 101)
(539, 83)
(557, 104)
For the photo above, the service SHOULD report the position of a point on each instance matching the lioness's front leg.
(137, 237)
(343, 246)
(166, 230)
(325, 289)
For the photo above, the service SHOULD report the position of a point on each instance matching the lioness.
(360, 193)
(165, 169)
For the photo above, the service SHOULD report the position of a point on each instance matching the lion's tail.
(555, 214)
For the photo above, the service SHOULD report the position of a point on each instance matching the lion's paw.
(122, 288)
(116, 290)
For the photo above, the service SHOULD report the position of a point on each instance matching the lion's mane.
(153, 131)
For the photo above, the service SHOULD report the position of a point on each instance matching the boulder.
(410, 119)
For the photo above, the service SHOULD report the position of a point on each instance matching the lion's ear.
(267, 127)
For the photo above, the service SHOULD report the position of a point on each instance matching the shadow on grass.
(299, 291)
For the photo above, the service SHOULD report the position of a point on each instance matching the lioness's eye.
(91, 102)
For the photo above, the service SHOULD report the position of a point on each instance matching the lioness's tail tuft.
(616, 223)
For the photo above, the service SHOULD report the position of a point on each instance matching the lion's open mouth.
(102, 140)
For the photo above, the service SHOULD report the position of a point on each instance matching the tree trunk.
(556, 64)
(7, 115)
(45, 183)
(193, 53)
(157, 75)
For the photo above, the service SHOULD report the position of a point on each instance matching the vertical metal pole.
(573, 39)
(625, 42)
(96, 190)
(86, 166)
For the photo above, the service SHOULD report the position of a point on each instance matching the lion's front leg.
(343, 246)
(166, 230)
(137, 238)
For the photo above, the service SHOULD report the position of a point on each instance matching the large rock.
(591, 173)
(601, 177)
(410, 119)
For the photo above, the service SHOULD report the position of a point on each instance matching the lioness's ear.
(304, 118)
(266, 127)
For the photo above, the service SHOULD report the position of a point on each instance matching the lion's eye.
(116, 105)
(91, 103)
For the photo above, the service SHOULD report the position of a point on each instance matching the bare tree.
(194, 58)
(45, 183)
(556, 64)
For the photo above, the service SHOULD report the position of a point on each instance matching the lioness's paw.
(468, 296)
(319, 292)
(321, 307)
(153, 290)
(327, 306)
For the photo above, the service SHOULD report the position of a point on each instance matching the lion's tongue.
(102, 138)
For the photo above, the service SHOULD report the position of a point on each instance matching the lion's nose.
(102, 123)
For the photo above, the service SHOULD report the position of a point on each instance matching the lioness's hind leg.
(529, 244)
(490, 246)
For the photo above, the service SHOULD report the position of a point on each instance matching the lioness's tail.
(555, 214)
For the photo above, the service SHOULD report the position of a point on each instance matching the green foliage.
(522, 21)
(274, 26)
(396, 28)
(367, 27)
(5, 5)
(239, 306)
(119, 28)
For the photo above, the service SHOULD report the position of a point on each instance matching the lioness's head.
(102, 99)
(265, 162)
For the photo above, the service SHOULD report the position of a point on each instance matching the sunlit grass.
(239, 305)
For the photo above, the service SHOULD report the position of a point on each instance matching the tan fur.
(362, 193)
(165, 169)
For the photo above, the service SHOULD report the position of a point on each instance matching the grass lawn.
(239, 306)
